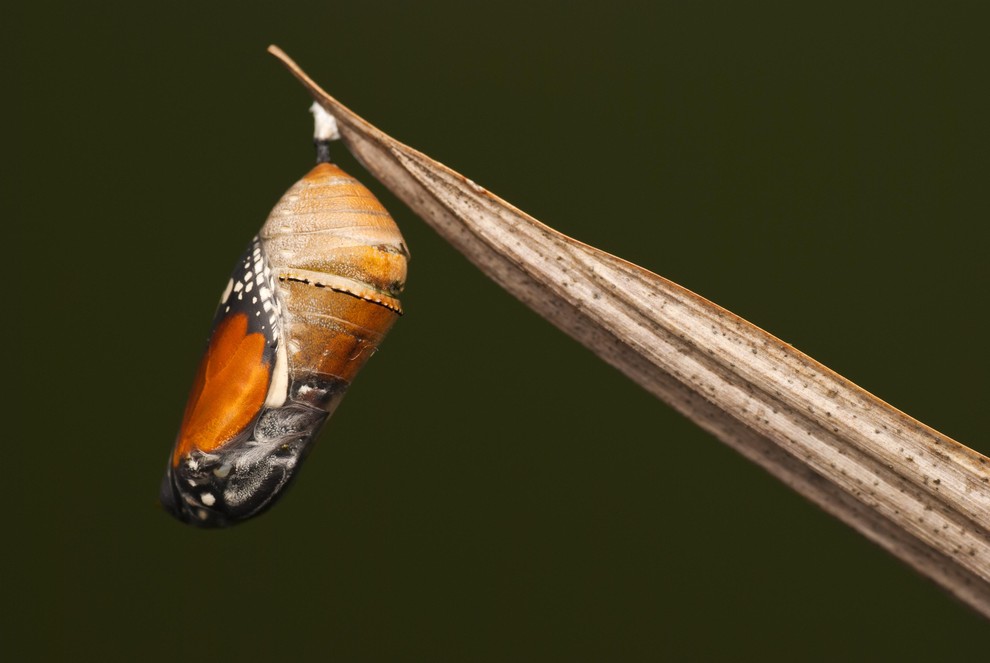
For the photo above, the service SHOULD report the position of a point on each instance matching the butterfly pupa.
(307, 304)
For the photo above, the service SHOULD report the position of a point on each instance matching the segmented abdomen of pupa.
(338, 262)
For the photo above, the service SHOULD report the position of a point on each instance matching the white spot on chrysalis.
(226, 292)
(208, 499)
(280, 380)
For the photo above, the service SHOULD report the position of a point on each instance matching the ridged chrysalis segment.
(306, 306)
(340, 262)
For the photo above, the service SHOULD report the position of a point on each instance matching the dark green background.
(489, 490)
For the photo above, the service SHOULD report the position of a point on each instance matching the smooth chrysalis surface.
(307, 304)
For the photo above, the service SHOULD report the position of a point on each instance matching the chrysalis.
(306, 306)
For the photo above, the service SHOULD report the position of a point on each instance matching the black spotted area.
(251, 291)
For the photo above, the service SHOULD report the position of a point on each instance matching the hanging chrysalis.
(306, 306)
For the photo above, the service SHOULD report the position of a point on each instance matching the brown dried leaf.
(919, 494)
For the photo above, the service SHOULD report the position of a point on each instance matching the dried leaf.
(917, 493)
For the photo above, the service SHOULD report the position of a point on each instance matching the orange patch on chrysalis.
(230, 388)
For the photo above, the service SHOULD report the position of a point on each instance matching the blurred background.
(489, 490)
